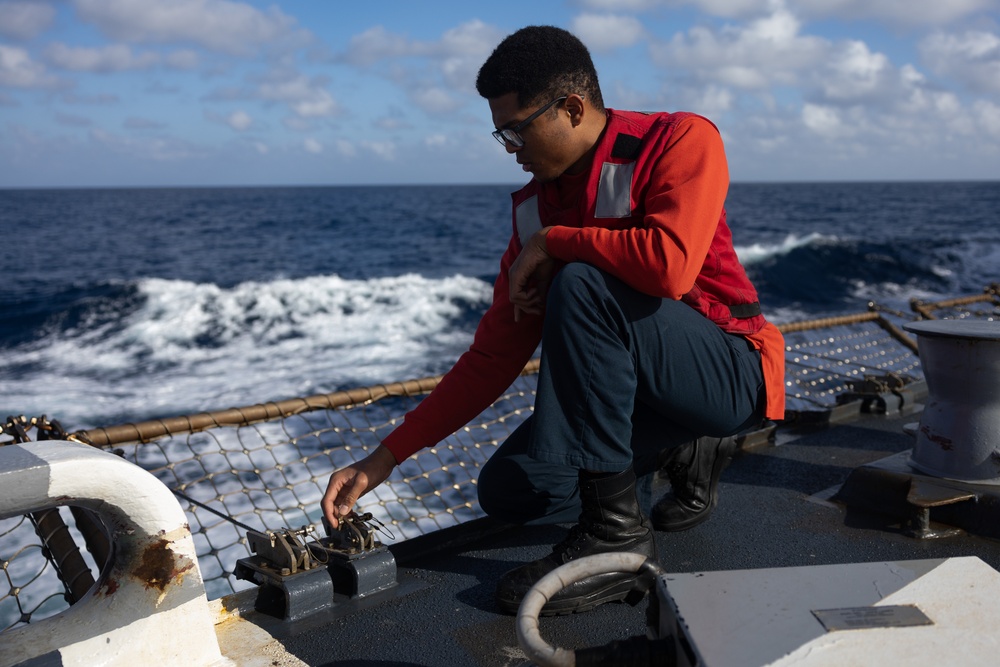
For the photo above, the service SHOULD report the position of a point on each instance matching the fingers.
(521, 274)
(341, 494)
(344, 508)
(328, 503)
(529, 278)
(527, 308)
(347, 485)
(529, 302)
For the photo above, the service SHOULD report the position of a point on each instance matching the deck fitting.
(892, 487)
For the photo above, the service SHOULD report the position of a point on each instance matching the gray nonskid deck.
(774, 512)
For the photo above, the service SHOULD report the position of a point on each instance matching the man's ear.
(575, 107)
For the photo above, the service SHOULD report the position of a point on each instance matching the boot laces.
(574, 543)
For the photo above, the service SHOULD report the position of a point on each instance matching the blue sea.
(129, 304)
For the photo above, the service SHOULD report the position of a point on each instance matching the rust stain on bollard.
(160, 566)
(939, 440)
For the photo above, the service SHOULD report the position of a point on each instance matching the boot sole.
(688, 523)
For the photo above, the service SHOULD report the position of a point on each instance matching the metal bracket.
(284, 550)
(924, 495)
(299, 578)
(882, 394)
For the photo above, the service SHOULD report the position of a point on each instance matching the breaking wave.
(155, 347)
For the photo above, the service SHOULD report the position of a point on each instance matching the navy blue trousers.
(623, 377)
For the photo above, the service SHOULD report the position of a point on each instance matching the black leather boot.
(693, 470)
(610, 520)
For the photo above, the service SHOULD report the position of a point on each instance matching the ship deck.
(777, 510)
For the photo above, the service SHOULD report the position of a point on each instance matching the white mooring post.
(148, 606)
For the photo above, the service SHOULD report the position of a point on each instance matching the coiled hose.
(528, 634)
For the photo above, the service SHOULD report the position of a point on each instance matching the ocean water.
(124, 305)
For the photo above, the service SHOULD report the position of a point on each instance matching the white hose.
(528, 634)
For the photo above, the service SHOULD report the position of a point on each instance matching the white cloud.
(320, 104)
(157, 149)
(972, 58)
(470, 39)
(713, 100)
(346, 148)
(296, 124)
(377, 44)
(764, 52)
(454, 59)
(621, 5)
(732, 8)
(792, 98)
(900, 12)
(946, 104)
(18, 70)
(25, 20)
(743, 76)
(383, 149)
(392, 122)
(606, 32)
(855, 72)
(218, 25)
(988, 117)
(73, 120)
(434, 100)
(111, 58)
(725, 8)
(138, 123)
(239, 121)
(822, 120)
(98, 99)
(462, 51)
(771, 57)
(183, 59)
(307, 98)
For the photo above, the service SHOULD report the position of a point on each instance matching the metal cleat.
(299, 578)
(883, 394)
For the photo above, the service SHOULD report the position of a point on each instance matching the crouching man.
(654, 348)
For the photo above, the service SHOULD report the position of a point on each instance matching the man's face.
(548, 148)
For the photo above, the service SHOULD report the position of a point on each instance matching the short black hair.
(540, 63)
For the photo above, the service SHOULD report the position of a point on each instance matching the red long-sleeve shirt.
(663, 256)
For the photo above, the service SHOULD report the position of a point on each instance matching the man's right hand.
(348, 484)
(530, 275)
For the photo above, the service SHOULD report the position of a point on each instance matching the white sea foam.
(759, 252)
(192, 347)
(888, 294)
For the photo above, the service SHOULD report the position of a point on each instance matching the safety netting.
(265, 467)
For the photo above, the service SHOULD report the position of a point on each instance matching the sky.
(132, 93)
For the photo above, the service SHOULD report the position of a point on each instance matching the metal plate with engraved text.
(859, 618)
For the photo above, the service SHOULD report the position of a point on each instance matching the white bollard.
(148, 607)
(959, 433)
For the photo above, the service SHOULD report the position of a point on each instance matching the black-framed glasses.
(512, 135)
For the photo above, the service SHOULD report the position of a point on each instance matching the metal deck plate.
(859, 618)
(768, 617)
